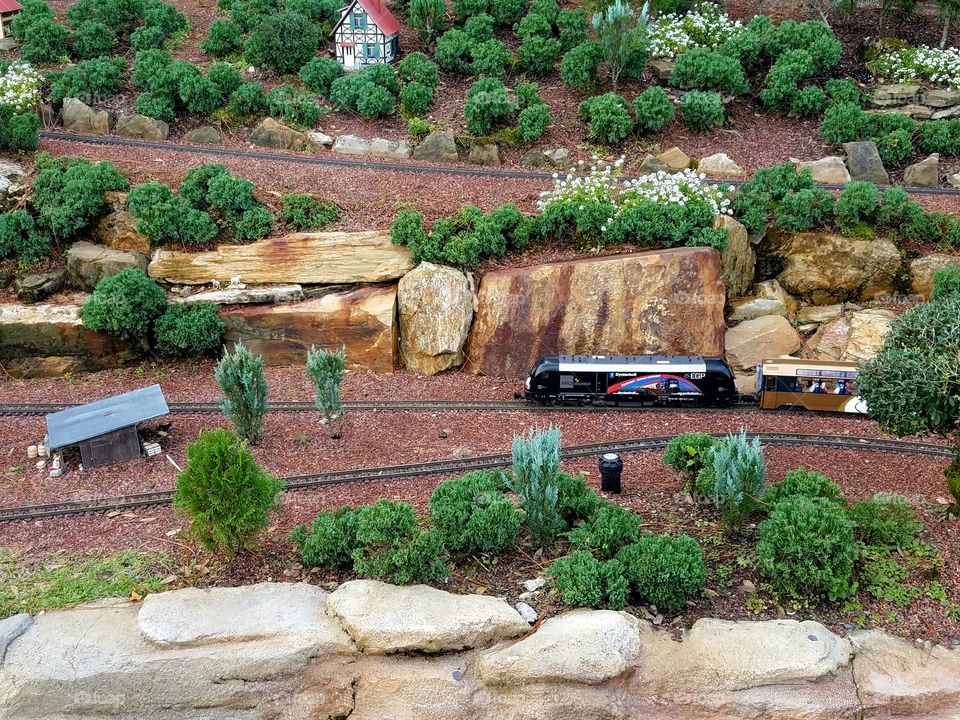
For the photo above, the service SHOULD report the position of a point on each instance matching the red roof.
(378, 12)
(8, 6)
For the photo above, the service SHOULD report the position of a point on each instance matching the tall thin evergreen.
(536, 462)
(622, 36)
(740, 473)
(240, 375)
(325, 370)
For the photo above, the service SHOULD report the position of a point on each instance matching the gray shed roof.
(83, 422)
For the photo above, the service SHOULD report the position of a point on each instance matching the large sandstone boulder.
(251, 295)
(582, 646)
(768, 298)
(191, 617)
(923, 268)
(117, 227)
(305, 258)
(88, 264)
(824, 269)
(362, 321)
(50, 340)
(384, 619)
(753, 341)
(142, 127)
(438, 146)
(79, 117)
(436, 308)
(854, 337)
(667, 302)
(738, 259)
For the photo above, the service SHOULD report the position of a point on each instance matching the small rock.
(925, 173)
(830, 170)
(527, 595)
(206, 135)
(445, 433)
(954, 180)
(719, 165)
(919, 112)
(142, 127)
(941, 97)
(652, 164)
(895, 94)
(438, 146)
(946, 113)
(709, 593)
(484, 154)
(748, 587)
(556, 158)
(459, 453)
(321, 139)
(81, 118)
(273, 134)
(526, 612)
(662, 68)
(534, 584)
(675, 158)
(39, 286)
(864, 163)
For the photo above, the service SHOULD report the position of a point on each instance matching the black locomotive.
(646, 379)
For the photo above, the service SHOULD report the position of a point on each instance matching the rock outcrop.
(923, 268)
(50, 340)
(753, 341)
(824, 269)
(117, 228)
(305, 258)
(255, 294)
(768, 298)
(362, 321)
(79, 117)
(738, 258)
(854, 337)
(436, 309)
(668, 302)
(88, 264)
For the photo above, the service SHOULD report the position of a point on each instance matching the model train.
(691, 380)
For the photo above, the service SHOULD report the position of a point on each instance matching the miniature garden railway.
(452, 467)
(381, 165)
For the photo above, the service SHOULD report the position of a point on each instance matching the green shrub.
(894, 147)
(151, 71)
(808, 483)
(427, 17)
(224, 38)
(507, 12)
(703, 69)
(813, 37)
(701, 111)
(536, 461)
(319, 74)
(572, 25)
(580, 65)
(575, 499)
(532, 121)
(124, 305)
(609, 529)
(534, 25)
(34, 11)
(296, 107)
(416, 98)
(807, 548)
(546, 8)
(229, 194)
(391, 547)
(664, 571)
(68, 194)
(329, 541)
(608, 117)
(325, 369)
(586, 582)
(419, 128)
(842, 122)
(843, 91)
(688, 454)
(946, 282)
(384, 76)
(782, 84)
(940, 136)
(885, 520)
(479, 28)
(303, 212)
(760, 196)
(487, 106)
(248, 99)
(18, 131)
(91, 40)
(804, 210)
(44, 42)
(491, 59)
(417, 67)
(121, 15)
(857, 204)
(226, 495)
(89, 81)
(376, 102)
(807, 102)
(166, 17)
(188, 329)
(226, 78)
(538, 55)
(453, 51)
(240, 376)
(200, 94)
(250, 13)
(146, 38)
(19, 238)
(653, 109)
(740, 473)
(284, 42)
(466, 8)
(166, 218)
(407, 231)
(473, 515)
(253, 224)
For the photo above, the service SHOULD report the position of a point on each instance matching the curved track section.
(450, 467)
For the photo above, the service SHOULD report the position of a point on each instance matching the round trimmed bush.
(453, 51)
(653, 109)
(417, 67)
(200, 94)
(44, 42)
(226, 77)
(487, 105)
(223, 38)
(532, 121)
(159, 107)
(807, 548)
(538, 54)
(585, 581)
(808, 101)
(808, 483)
(479, 28)
(473, 515)
(664, 571)
(702, 111)
(146, 38)
(609, 118)
(254, 224)
(803, 210)
(248, 99)
(124, 305)
(319, 73)
(92, 39)
(491, 59)
(607, 531)
(284, 42)
(376, 102)
(703, 69)
(416, 98)
(579, 66)
(188, 329)
(885, 520)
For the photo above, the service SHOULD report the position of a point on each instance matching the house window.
(373, 50)
(360, 20)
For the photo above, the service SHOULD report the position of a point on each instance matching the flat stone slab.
(583, 646)
(384, 619)
(193, 616)
(247, 296)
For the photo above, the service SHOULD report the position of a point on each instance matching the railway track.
(451, 467)
(273, 156)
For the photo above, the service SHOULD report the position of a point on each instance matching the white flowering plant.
(914, 64)
(662, 208)
(672, 34)
(20, 87)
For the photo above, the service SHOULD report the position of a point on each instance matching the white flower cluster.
(600, 185)
(20, 87)
(671, 35)
(920, 63)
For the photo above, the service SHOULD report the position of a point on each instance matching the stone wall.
(370, 651)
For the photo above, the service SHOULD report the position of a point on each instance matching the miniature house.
(366, 34)
(8, 11)
(106, 430)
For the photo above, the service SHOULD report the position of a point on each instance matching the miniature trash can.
(611, 467)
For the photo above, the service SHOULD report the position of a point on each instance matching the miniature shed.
(367, 33)
(106, 430)
(8, 11)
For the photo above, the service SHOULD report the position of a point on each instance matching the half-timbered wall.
(359, 42)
